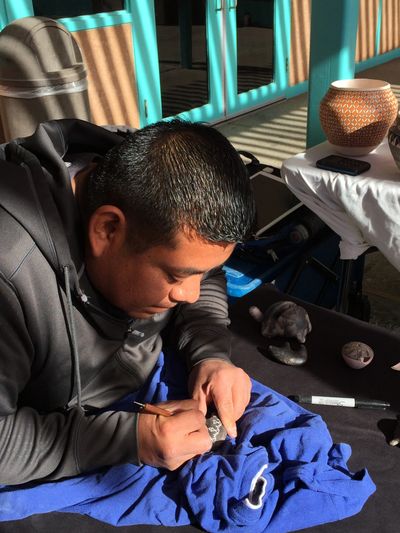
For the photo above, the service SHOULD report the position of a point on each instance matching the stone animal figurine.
(287, 325)
(283, 319)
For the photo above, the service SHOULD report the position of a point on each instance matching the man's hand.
(170, 441)
(223, 384)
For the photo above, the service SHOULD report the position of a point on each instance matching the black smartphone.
(345, 165)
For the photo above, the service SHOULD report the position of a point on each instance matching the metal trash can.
(42, 76)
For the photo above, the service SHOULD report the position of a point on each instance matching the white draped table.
(363, 210)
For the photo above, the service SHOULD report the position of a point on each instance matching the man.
(105, 244)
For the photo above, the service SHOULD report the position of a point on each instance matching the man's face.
(143, 284)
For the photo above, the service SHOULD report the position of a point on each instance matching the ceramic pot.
(356, 114)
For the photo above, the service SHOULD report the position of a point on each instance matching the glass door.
(206, 60)
(257, 47)
(217, 58)
(189, 58)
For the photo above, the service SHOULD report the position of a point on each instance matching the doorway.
(217, 58)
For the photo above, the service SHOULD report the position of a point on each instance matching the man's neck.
(79, 184)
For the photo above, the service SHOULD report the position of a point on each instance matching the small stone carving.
(357, 354)
(216, 430)
(287, 325)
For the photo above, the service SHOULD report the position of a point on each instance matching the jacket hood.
(35, 187)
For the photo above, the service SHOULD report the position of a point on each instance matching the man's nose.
(187, 291)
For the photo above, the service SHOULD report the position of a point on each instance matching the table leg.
(342, 303)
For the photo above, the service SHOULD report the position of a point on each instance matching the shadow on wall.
(367, 24)
(108, 56)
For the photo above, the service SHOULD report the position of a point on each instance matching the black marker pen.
(341, 402)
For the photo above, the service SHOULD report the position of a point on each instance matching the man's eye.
(172, 279)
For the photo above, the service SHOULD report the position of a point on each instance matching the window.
(74, 8)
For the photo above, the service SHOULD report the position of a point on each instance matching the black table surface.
(325, 373)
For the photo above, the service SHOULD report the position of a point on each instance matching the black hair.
(176, 175)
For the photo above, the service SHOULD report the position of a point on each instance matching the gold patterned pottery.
(356, 114)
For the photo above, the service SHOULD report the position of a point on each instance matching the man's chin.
(148, 312)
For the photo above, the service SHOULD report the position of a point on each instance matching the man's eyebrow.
(187, 271)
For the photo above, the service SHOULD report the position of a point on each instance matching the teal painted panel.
(146, 59)
(99, 20)
(214, 26)
(230, 62)
(297, 89)
(378, 60)
(330, 59)
(3, 14)
(16, 9)
(378, 28)
(282, 43)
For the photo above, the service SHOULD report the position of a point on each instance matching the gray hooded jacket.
(62, 347)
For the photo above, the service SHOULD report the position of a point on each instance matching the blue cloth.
(281, 474)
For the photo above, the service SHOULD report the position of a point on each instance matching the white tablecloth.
(363, 210)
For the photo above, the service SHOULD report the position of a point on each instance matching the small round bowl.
(357, 354)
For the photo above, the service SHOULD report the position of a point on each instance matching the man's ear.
(106, 229)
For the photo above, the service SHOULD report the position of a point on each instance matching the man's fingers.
(186, 422)
(201, 398)
(187, 434)
(177, 406)
(225, 409)
(225, 385)
(242, 401)
(170, 441)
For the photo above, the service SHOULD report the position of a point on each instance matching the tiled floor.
(277, 132)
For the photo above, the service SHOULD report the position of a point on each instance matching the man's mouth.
(158, 308)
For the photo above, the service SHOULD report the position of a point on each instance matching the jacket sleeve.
(201, 329)
(50, 446)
